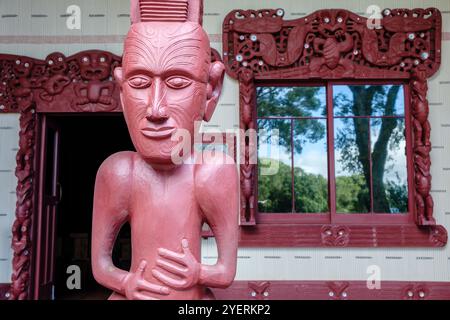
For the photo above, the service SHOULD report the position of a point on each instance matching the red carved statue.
(167, 83)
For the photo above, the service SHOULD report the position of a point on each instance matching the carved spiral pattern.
(331, 43)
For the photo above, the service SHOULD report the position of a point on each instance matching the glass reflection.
(310, 167)
(291, 101)
(369, 100)
(389, 173)
(351, 143)
(274, 166)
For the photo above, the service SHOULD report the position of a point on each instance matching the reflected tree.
(291, 102)
(367, 101)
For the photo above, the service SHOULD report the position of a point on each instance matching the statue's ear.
(118, 75)
(216, 75)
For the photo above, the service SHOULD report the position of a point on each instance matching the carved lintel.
(332, 44)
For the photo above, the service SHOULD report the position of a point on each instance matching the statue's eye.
(140, 82)
(178, 82)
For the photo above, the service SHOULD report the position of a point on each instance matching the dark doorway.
(85, 142)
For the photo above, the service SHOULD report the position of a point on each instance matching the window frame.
(259, 46)
(334, 217)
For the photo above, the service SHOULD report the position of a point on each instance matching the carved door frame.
(80, 83)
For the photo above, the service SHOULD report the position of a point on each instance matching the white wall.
(39, 36)
(9, 143)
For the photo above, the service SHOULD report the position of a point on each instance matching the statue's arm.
(112, 190)
(217, 194)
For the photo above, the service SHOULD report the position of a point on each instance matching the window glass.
(310, 166)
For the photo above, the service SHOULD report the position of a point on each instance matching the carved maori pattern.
(331, 43)
(247, 104)
(21, 230)
(422, 148)
(335, 236)
(337, 44)
(259, 290)
(415, 291)
(83, 81)
(80, 83)
(338, 290)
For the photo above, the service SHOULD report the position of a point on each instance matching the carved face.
(167, 83)
(333, 22)
(94, 66)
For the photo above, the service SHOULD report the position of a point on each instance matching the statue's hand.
(185, 267)
(137, 288)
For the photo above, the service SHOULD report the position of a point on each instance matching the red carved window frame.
(261, 47)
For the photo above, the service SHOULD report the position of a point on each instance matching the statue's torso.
(162, 211)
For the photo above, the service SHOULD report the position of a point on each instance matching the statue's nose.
(157, 114)
(157, 110)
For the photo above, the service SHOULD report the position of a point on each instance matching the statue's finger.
(141, 267)
(140, 296)
(174, 256)
(153, 288)
(171, 282)
(172, 268)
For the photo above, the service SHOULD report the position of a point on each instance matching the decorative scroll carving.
(21, 230)
(422, 148)
(331, 44)
(82, 82)
(337, 44)
(349, 290)
(416, 291)
(338, 290)
(247, 106)
(338, 236)
(335, 236)
(259, 290)
(438, 236)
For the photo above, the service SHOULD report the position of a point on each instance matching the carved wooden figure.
(167, 83)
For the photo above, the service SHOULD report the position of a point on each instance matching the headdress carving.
(166, 11)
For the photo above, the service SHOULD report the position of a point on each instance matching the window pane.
(310, 166)
(389, 174)
(291, 101)
(352, 165)
(274, 166)
(373, 100)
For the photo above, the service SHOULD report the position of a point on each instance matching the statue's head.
(167, 79)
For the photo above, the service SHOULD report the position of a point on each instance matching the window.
(351, 166)
(362, 177)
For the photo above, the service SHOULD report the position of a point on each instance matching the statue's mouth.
(158, 133)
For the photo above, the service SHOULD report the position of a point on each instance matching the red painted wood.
(49, 197)
(261, 48)
(333, 290)
(82, 82)
(342, 235)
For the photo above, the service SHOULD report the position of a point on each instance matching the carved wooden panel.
(82, 82)
(336, 44)
(333, 290)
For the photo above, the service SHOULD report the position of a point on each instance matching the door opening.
(85, 142)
